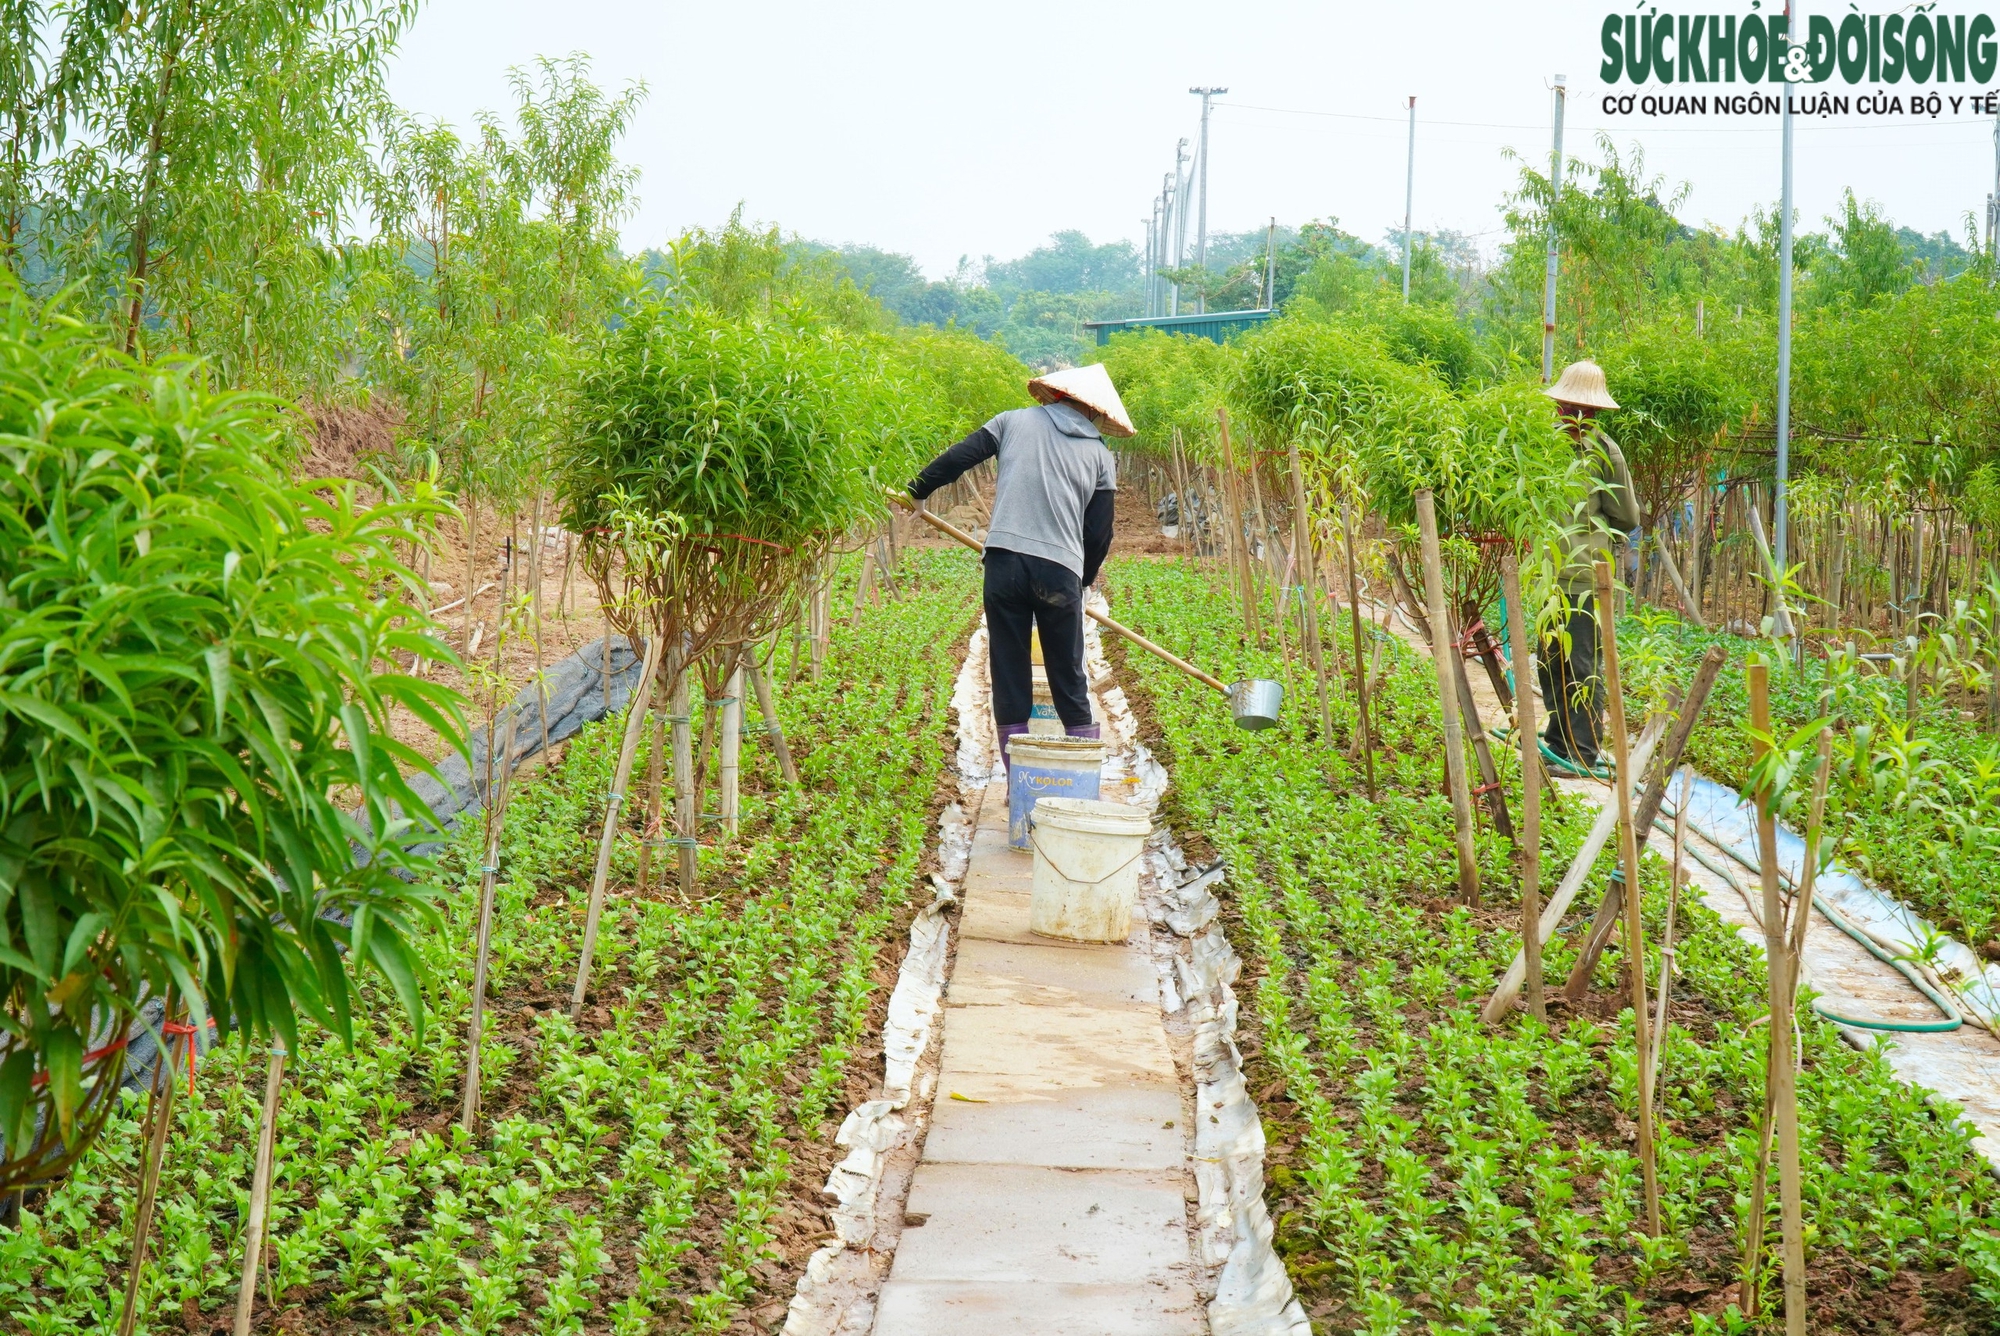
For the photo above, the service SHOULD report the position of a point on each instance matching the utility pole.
(1409, 198)
(1201, 227)
(1147, 223)
(1549, 274)
(1993, 208)
(1271, 263)
(1180, 219)
(1783, 421)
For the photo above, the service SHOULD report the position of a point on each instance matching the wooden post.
(1628, 860)
(635, 722)
(762, 686)
(1309, 590)
(1530, 844)
(1667, 937)
(260, 1190)
(863, 586)
(1239, 549)
(1360, 673)
(730, 765)
(1454, 745)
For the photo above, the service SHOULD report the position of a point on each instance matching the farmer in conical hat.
(1569, 673)
(1051, 529)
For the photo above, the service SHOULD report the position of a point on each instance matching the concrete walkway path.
(1054, 1189)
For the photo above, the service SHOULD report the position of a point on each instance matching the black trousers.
(1024, 592)
(1572, 691)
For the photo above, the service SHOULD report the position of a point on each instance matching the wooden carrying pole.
(951, 530)
(1454, 744)
(1628, 860)
(260, 1190)
(1530, 844)
(635, 723)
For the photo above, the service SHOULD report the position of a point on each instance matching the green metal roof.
(1216, 326)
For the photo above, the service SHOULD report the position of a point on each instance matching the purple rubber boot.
(1009, 731)
(1081, 731)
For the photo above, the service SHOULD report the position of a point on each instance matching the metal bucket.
(1255, 702)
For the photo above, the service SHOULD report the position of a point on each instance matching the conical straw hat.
(1091, 387)
(1582, 383)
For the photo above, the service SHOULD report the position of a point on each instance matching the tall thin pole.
(1201, 225)
(1180, 219)
(1784, 414)
(1147, 223)
(1409, 197)
(1271, 263)
(1549, 274)
(1993, 205)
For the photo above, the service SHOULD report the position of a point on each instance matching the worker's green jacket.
(1610, 511)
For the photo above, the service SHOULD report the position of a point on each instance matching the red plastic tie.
(1486, 788)
(171, 1028)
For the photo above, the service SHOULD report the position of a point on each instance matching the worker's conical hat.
(1582, 383)
(1091, 387)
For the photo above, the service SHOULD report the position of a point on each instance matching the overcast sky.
(961, 128)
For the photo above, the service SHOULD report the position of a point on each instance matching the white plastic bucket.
(1086, 869)
(1048, 767)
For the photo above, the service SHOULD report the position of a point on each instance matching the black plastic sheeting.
(573, 693)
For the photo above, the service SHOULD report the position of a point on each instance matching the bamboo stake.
(1360, 676)
(729, 767)
(862, 588)
(762, 686)
(1454, 745)
(1308, 579)
(1522, 660)
(1667, 938)
(501, 735)
(635, 723)
(160, 1111)
(260, 1190)
(1238, 547)
(1482, 753)
(1686, 714)
(656, 767)
(680, 714)
(1628, 860)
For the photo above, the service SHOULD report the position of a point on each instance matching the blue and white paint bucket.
(1045, 767)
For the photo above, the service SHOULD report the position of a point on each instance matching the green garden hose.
(1837, 919)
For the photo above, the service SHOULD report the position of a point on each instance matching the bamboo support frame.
(260, 1191)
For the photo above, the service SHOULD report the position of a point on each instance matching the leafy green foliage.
(779, 431)
(641, 1171)
(1432, 1172)
(1169, 383)
(197, 669)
